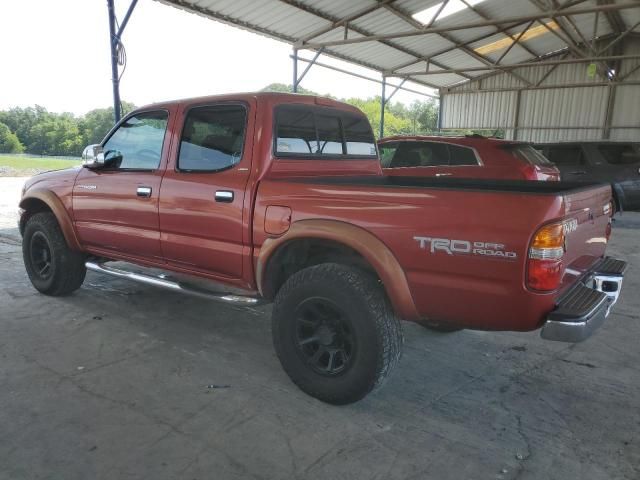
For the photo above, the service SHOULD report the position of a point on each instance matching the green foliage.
(9, 141)
(45, 133)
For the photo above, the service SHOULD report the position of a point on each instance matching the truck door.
(203, 213)
(116, 207)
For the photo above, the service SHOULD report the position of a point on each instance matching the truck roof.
(270, 98)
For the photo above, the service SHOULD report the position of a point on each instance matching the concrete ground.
(124, 381)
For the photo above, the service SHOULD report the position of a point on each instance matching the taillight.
(544, 267)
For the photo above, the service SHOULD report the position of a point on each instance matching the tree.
(9, 142)
(21, 120)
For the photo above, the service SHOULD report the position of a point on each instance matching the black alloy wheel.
(324, 336)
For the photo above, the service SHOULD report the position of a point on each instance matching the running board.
(172, 285)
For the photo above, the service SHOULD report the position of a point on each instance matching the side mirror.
(93, 156)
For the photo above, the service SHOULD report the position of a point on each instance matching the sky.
(55, 53)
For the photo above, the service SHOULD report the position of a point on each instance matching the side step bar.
(173, 285)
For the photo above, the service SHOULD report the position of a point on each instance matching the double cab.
(280, 198)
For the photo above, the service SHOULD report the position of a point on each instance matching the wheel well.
(31, 206)
(299, 254)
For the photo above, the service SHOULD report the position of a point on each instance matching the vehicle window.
(212, 138)
(317, 132)
(137, 143)
(420, 154)
(530, 155)
(620, 154)
(359, 137)
(566, 155)
(387, 151)
(462, 156)
(329, 135)
(296, 131)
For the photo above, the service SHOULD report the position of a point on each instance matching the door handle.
(443, 174)
(143, 191)
(225, 196)
(578, 172)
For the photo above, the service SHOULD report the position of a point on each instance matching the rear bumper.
(584, 308)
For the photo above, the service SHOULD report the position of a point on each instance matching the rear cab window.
(313, 132)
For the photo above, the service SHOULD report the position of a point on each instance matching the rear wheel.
(53, 268)
(335, 332)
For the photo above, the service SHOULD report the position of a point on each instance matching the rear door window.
(620, 154)
(212, 138)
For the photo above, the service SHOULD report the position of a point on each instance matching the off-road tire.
(374, 328)
(66, 270)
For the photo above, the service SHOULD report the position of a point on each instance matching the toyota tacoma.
(280, 198)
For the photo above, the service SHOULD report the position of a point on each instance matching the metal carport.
(479, 54)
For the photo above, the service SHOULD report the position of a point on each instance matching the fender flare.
(358, 239)
(62, 216)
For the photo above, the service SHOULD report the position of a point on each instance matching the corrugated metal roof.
(302, 22)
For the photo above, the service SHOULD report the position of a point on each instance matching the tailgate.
(587, 227)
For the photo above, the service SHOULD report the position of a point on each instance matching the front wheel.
(335, 333)
(53, 268)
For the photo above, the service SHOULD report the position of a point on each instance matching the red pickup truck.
(280, 198)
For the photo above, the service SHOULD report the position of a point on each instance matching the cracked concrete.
(112, 382)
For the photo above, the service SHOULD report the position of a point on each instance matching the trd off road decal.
(465, 247)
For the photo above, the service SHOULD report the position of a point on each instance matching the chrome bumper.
(583, 309)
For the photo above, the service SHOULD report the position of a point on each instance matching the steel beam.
(515, 65)
(364, 77)
(540, 87)
(304, 72)
(481, 58)
(126, 18)
(464, 26)
(606, 129)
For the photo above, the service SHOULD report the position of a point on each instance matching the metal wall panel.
(548, 115)
(471, 110)
(626, 113)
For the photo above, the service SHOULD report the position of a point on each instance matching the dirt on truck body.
(281, 198)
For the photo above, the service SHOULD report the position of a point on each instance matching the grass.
(27, 164)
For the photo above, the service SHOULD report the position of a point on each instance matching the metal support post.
(295, 70)
(383, 103)
(114, 61)
(114, 41)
